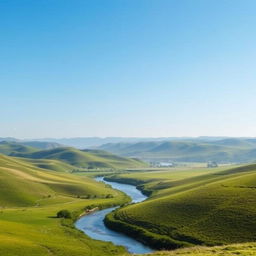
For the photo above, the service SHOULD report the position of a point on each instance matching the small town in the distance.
(127, 127)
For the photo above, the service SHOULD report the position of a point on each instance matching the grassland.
(186, 207)
(205, 207)
(31, 196)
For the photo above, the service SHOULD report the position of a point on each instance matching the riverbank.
(143, 235)
(138, 184)
(93, 224)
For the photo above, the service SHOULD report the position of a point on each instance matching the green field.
(30, 197)
(187, 207)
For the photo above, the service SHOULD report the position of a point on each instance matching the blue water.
(93, 225)
(130, 190)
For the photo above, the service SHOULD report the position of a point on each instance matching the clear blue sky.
(127, 68)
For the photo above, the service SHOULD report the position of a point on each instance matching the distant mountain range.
(90, 142)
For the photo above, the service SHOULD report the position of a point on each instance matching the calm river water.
(93, 224)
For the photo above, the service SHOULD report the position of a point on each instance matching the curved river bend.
(93, 225)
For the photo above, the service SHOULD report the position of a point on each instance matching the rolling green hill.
(30, 197)
(224, 151)
(70, 156)
(9, 148)
(85, 159)
(24, 184)
(51, 164)
(186, 207)
(214, 208)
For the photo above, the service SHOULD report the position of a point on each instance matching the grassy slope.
(245, 249)
(51, 164)
(85, 158)
(23, 184)
(9, 148)
(214, 208)
(68, 155)
(27, 225)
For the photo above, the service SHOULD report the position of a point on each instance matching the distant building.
(161, 164)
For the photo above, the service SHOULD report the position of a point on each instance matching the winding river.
(93, 225)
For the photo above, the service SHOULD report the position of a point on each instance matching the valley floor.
(31, 196)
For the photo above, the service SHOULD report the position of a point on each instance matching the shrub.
(64, 214)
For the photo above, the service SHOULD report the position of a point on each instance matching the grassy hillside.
(224, 151)
(212, 208)
(70, 156)
(9, 148)
(245, 249)
(30, 197)
(84, 158)
(24, 184)
(51, 164)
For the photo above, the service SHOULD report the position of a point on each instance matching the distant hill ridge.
(200, 149)
(88, 142)
(226, 150)
(35, 144)
(71, 156)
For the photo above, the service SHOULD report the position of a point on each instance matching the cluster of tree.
(66, 214)
(95, 196)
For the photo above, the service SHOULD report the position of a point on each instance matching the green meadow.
(191, 207)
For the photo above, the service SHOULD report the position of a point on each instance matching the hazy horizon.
(129, 137)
